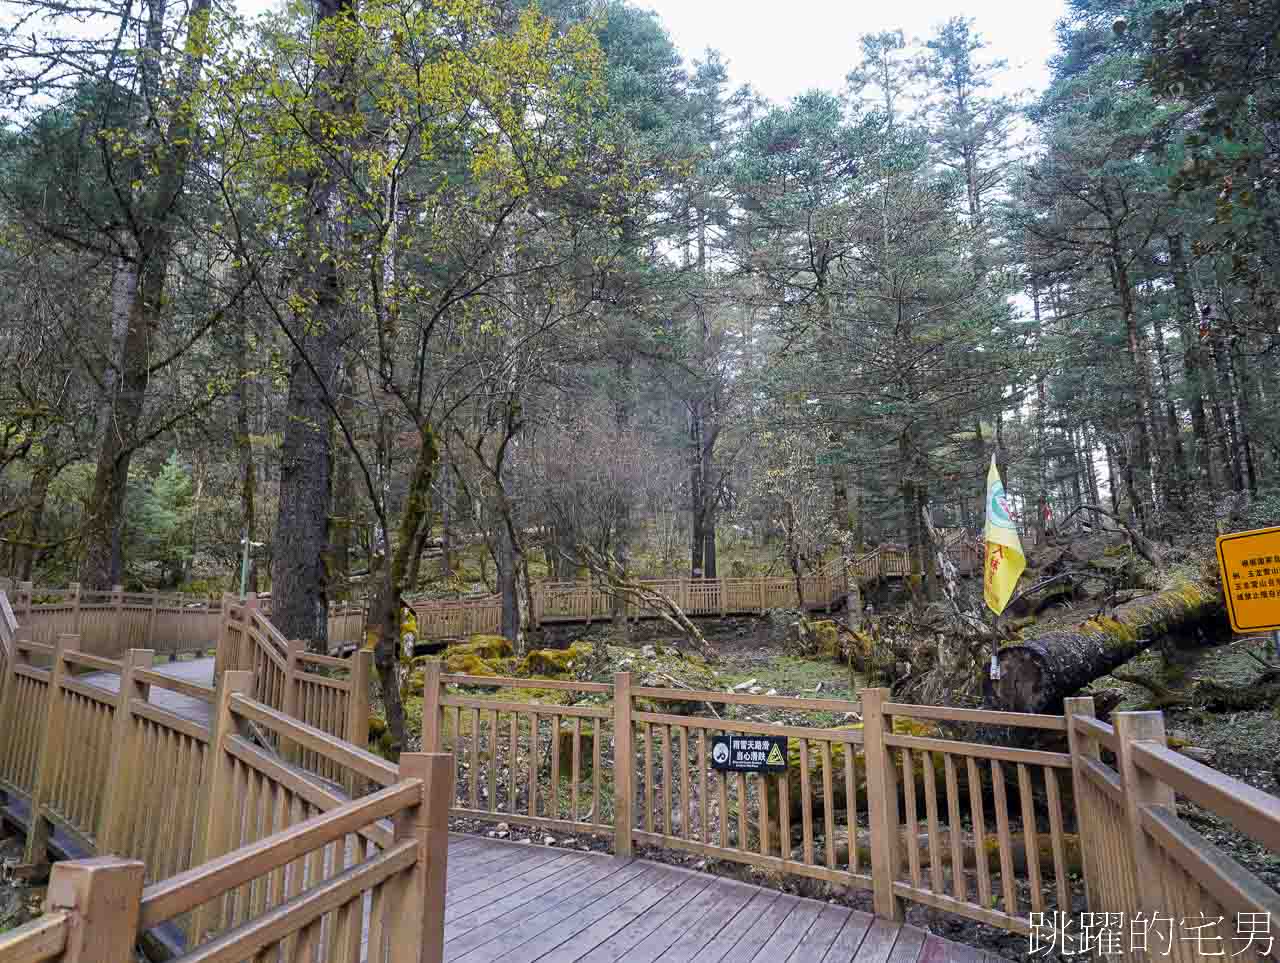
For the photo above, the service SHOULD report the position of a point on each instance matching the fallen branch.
(688, 688)
(1141, 544)
(1162, 697)
(616, 585)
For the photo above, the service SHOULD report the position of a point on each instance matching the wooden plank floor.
(199, 671)
(516, 903)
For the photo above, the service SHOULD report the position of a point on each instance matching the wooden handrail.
(166, 899)
(160, 680)
(44, 938)
(510, 683)
(980, 716)
(746, 699)
(1034, 757)
(247, 940)
(1092, 728)
(1231, 884)
(1250, 810)
(365, 763)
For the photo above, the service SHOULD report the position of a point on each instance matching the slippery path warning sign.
(1250, 564)
(749, 753)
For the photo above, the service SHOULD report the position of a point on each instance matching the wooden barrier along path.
(248, 821)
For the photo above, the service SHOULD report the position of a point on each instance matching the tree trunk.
(1175, 475)
(299, 579)
(1141, 475)
(1194, 373)
(1036, 675)
(26, 547)
(244, 445)
(391, 585)
(138, 295)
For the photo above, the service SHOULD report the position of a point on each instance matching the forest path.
(199, 671)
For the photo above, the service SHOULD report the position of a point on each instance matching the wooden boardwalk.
(199, 671)
(516, 903)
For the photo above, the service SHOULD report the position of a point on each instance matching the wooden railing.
(984, 830)
(322, 691)
(109, 623)
(1140, 852)
(585, 601)
(89, 760)
(287, 867)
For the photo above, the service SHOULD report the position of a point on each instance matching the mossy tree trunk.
(1036, 675)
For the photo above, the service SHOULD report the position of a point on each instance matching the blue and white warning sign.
(749, 753)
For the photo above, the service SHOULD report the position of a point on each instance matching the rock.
(648, 652)
(548, 840)
(852, 717)
(554, 663)
(744, 686)
(756, 690)
(772, 692)
(503, 828)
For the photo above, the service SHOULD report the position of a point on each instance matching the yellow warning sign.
(775, 756)
(1250, 565)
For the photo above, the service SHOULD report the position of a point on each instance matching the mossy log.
(1037, 674)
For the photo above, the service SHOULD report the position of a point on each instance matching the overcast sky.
(784, 49)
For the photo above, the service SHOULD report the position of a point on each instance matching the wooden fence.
(286, 867)
(585, 601)
(109, 623)
(989, 832)
(328, 693)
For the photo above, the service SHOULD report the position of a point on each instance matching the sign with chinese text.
(1250, 565)
(749, 753)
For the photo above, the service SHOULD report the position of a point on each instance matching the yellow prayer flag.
(1005, 561)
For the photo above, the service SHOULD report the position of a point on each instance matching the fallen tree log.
(1037, 674)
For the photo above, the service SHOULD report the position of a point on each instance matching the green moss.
(486, 647)
(1113, 629)
(464, 663)
(554, 663)
(827, 638)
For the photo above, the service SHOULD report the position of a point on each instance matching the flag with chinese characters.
(1004, 561)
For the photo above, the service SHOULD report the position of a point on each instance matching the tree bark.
(138, 295)
(1192, 358)
(299, 579)
(1036, 675)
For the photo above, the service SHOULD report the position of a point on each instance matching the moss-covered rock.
(465, 663)
(554, 663)
(826, 637)
(486, 647)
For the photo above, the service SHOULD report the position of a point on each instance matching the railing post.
(117, 606)
(1140, 788)
(75, 607)
(1081, 747)
(623, 764)
(122, 768)
(724, 599)
(288, 749)
(216, 809)
(882, 803)
(760, 593)
(588, 599)
(104, 899)
(431, 705)
(150, 638)
(358, 711)
(49, 752)
(23, 608)
(419, 930)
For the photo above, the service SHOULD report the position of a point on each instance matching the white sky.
(786, 49)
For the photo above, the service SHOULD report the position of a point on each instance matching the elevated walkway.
(248, 822)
